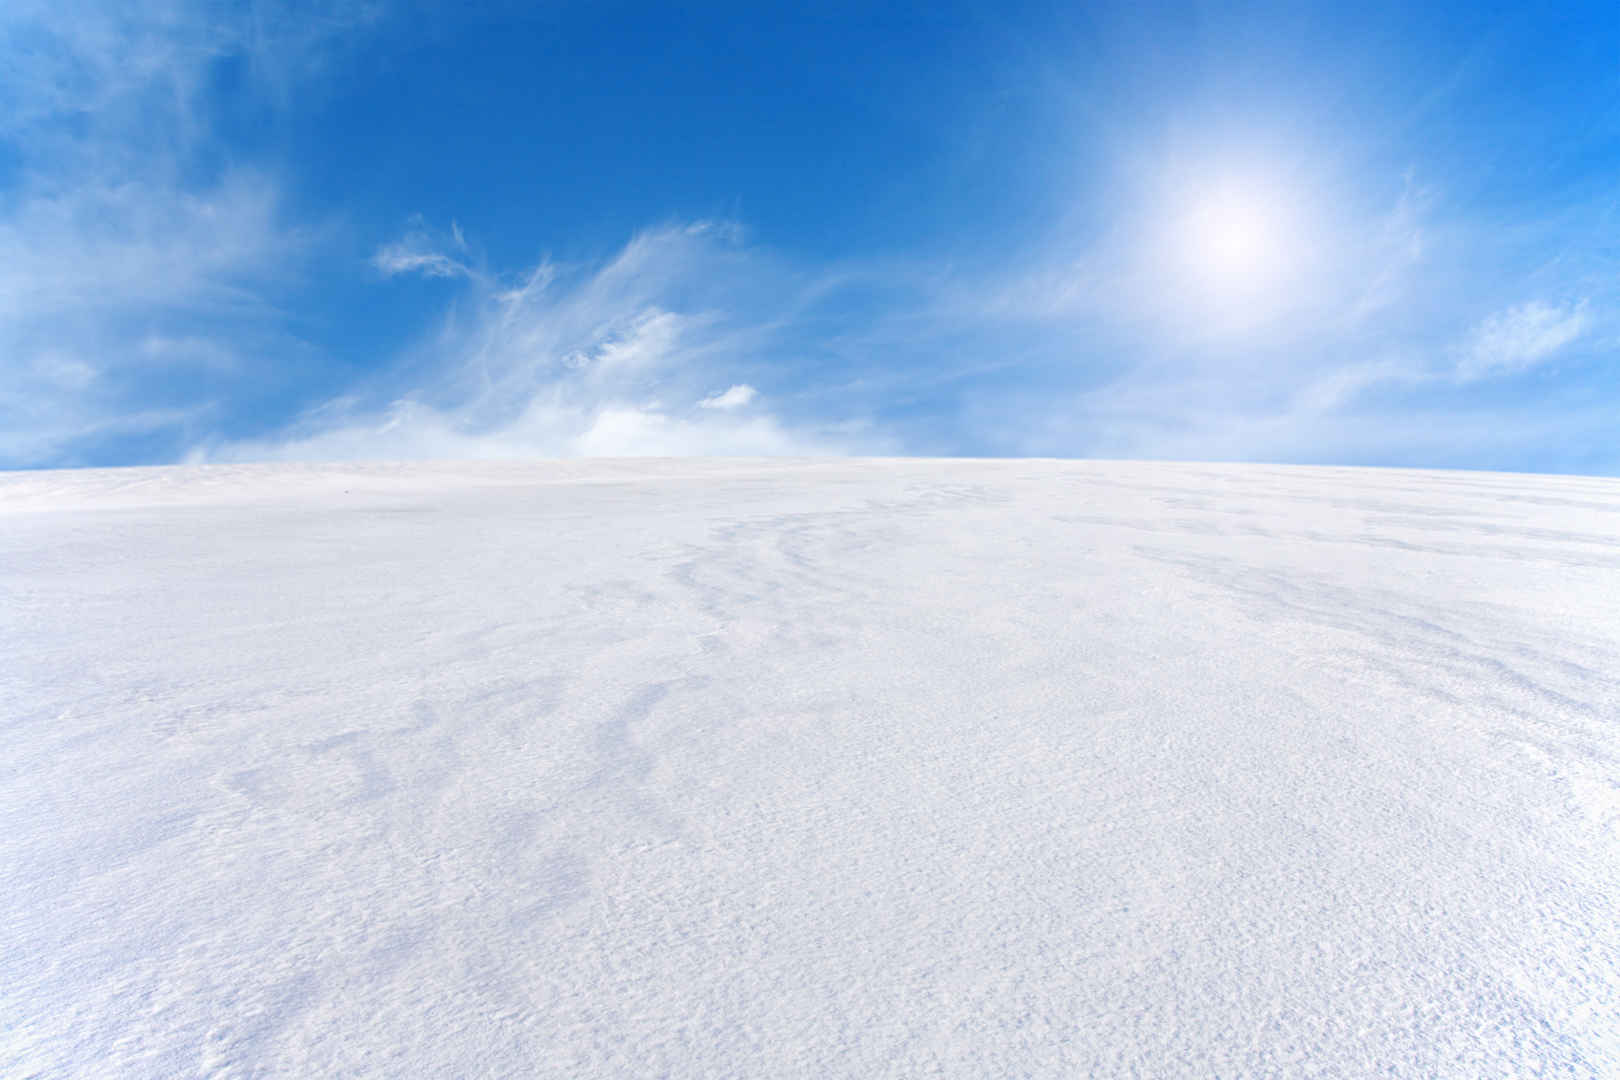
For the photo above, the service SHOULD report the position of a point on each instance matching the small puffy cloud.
(734, 398)
(1519, 338)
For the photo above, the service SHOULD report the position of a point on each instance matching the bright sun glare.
(1232, 250)
(1231, 238)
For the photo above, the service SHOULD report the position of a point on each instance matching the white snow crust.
(809, 769)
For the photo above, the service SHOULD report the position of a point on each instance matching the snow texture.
(809, 769)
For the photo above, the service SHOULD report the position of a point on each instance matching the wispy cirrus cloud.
(115, 297)
(733, 398)
(417, 253)
(114, 248)
(1521, 337)
(609, 359)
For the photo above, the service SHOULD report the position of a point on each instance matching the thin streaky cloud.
(399, 259)
(604, 360)
(1522, 337)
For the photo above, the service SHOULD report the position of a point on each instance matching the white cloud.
(121, 288)
(115, 271)
(581, 361)
(416, 253)
(1520, 338)
(394, 259)
(734, 398)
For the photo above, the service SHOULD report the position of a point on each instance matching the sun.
(1228, 237)
(1231, 237)
(1234, 247)
(1234, 241)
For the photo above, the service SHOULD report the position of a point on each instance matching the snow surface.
(809, 768)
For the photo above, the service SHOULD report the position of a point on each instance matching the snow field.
(809, 768)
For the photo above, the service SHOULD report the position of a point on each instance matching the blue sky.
(1356, 234)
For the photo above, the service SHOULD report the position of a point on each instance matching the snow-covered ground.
(809, 769)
